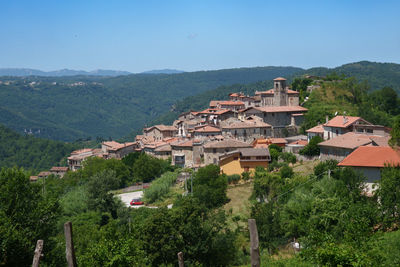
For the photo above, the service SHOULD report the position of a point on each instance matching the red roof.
(343, 121)
(282, 109)
(214, 103)
(371, 156)
(215, 111)
(207, 129)
(280, 79)
(271, 92)
(299, 142)
(316, 129)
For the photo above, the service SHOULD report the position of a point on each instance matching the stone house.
(112, 149)
(295, 146)
(277, 117)
(59, 171)
(78, 156)
(246, 131)
(227, 104)
(315, 131)
(244, 160)
(160, 132)
(206, 131)
(187, 153)
(214, 149)
(216, 116)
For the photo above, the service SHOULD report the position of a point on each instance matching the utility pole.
(254, 244)
(329, 174)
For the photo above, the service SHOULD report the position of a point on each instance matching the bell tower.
(280, 93)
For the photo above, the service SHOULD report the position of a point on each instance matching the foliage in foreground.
(160, 187)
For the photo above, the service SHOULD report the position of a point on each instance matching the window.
(214, 150)
(235, 158)
(369, 131)
(265, 131)
(254, 131)
(337, 132)
(215, 161)
(359, 130)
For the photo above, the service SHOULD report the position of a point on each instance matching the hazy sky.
(196, 35)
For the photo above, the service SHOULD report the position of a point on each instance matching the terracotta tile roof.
(115, 145)
(185, 143)
(381, 140)
(214, 103)
(247, 124)
(33, 178)
(316, 129)
(80, 151)
(279, 79)
(343, 121)
(207, 129)
(281, 109)
(59, 169)
(215, 111)
(299, 142)
(226, 143)
(164, 148)
(272, 91)
(234, 94)
(371, 156)
(255, 152)
(348, 140)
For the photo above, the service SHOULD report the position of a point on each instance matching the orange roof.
(280, 79)
(162, 128)
(281, 109)
(299, 142)
(115, 145)
(371, 156)
(207, 129)
(215, 103)
(272, 91)
(316, 129)
(343, 121)
(264, 143)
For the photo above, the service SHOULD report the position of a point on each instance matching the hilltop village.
(235, 134)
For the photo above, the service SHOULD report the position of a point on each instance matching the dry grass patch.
(305, 168)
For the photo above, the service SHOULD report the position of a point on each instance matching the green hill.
(30, 152)
(68, 108)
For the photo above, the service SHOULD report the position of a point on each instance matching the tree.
(26, 215)
(312, 148)
(395, 133)
(209, 186)
(389, 194)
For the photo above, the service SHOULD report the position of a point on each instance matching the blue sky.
(196, 35)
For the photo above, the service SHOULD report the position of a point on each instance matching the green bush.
(312, 148)
(159, 187)
(245, 176)
(286, 172)
(288, 157)
(234, 178)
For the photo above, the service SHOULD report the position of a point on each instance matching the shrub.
(234, 178)
(276, 147)
(286, 172)
(312, 148)
(245, 176)
(159, 187)
(288, 157)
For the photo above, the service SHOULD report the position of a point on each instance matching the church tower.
(280, 93)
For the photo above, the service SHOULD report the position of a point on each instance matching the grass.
(239, 204)
(306, 168)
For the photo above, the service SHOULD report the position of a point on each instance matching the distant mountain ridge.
(21, 72)
(163, 71)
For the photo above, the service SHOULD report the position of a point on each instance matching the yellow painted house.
(244, 160)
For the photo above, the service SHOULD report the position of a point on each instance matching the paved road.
(127, 198)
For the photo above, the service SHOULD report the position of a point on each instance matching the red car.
(136, 201)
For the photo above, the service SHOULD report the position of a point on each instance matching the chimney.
(345, 120)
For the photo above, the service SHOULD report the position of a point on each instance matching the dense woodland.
(62, 109)
(58, 108)
(32, 153)
(325, 211)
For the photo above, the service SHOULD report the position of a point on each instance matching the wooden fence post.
(180, 259)
(69, 245)
(38, 253)
(254, 250)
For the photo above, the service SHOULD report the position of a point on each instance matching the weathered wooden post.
(180, 259)
(254, 250)
(38, 253)
(69, 245)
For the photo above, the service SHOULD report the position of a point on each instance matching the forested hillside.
(374, 76)
(29, 152)
(68, 108)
